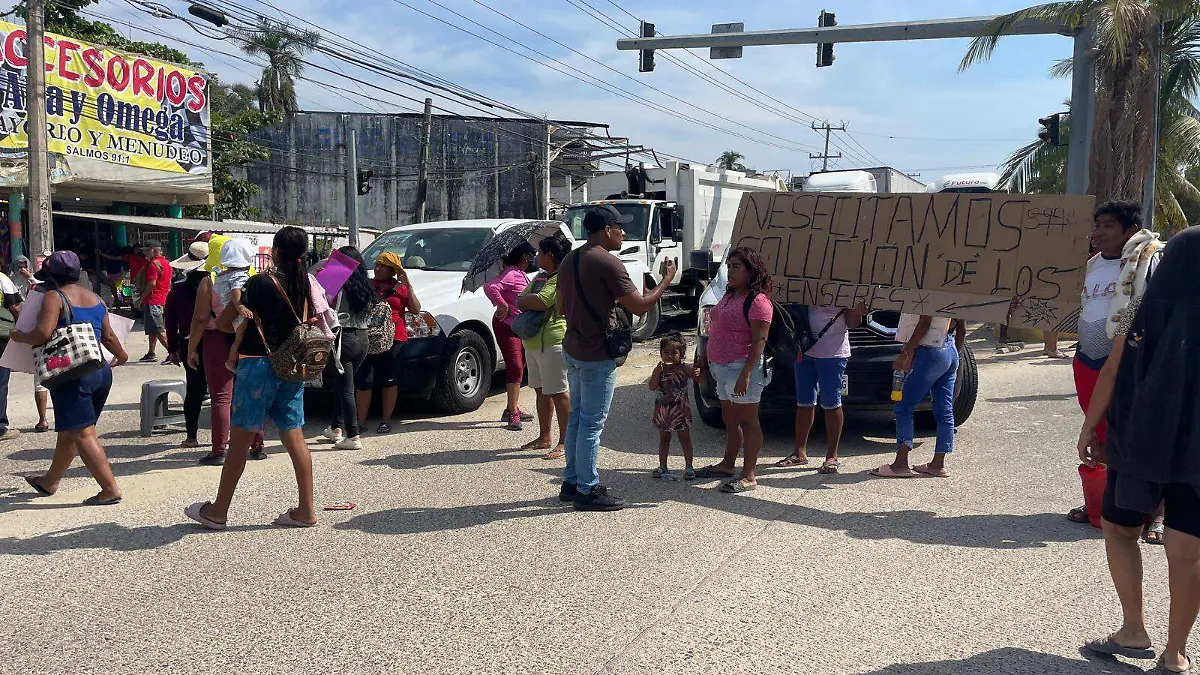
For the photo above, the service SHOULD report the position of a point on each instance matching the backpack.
(305, 353)
(381, 330)
(782, 339)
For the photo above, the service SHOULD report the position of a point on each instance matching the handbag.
(529, 323)
(305, 353)
(72, 351)
(618, 341)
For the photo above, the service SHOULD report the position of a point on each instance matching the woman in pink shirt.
(737, 336)
(503, 292)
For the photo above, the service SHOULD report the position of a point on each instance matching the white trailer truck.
(680, 211)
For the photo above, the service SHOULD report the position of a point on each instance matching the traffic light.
(825, 49)
(1052, 129)
(646, 56)
(364, 181)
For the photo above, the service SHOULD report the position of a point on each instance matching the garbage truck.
(680, 211)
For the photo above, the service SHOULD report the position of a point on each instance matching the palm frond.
(1069, 14)
(1062, 68)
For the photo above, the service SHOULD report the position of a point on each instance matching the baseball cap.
(237, 252)
(63, 265)
(152, 243)
(194, 258)
(390, 259)
(604, 215)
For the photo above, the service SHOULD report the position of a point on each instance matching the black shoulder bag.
(618, 341)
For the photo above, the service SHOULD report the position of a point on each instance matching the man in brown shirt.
(593, 276)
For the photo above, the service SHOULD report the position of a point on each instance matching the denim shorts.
(259, 393)
(79, 402)
(824, 375)
(727, 374)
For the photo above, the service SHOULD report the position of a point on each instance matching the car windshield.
(441, 250)
(635, 230)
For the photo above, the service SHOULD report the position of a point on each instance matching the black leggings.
(345, 409)
(197, 388)
(1181, 511)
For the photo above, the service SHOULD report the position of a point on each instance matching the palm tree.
(1127, 69)
(731, 160)
(282, 46)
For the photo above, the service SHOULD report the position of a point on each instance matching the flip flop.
(42, 492)
(41, 428)
(886, 471)
(285, 519)
(1162, 669)
(1109, 647)
(792, 460)
(738, 486)
(193, 512)
(557, 453)
(710, 471)
(829, 467)
(1078, 515)
(534, 445)
(1056, 354)
(924, 468)
(1156, 528)
(95, 500)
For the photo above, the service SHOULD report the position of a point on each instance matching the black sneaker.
(598, 500)
(567, 493)
(258, 454)
(213, 459)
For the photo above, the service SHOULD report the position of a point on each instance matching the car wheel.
(709, 414)
(645, 326)
(968, 391)
(466, 374)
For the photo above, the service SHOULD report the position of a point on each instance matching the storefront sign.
(108, 105)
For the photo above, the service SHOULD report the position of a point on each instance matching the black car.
(868, 375)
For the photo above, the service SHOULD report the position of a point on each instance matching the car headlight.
(702, 323)
(421, 325)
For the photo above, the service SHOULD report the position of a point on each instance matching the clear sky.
(943, 120)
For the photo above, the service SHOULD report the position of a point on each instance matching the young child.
(237, 256)
(672, 380)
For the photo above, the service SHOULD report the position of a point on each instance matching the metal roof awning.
(198, 225)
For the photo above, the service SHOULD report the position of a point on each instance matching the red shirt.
(162, 281)
(395, 294)
(135, 263)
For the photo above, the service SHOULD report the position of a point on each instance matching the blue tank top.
(93, 315)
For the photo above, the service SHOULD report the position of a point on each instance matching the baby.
(237, 257)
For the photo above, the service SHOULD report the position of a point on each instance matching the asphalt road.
(459, 559)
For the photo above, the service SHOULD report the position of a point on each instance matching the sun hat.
(238, 252)
(390, 259)
(193, 259)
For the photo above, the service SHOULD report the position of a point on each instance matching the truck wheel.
(645, 326)
(964, 399)
(966, 390)
(466, 374)
(708, 414)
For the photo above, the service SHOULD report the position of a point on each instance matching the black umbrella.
(487, 266)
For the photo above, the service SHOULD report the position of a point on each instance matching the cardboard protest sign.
(959, 255)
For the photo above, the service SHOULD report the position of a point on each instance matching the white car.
(451, 354)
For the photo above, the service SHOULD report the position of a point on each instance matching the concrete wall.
(304, 179)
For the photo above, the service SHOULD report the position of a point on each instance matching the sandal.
(711, 471)
(41, 428)
(1153, 533)
(1109, 647)
(792, 460)
(285, 519)
(383, 428)
(95, 500)
(1056, 354)
(557, 453)
(193, 512)
(886, 471)
(924, 468)
(42, 492)
(1078, 515)
(535, 445)
(1162, 669)
(829, 467)
(738, 486)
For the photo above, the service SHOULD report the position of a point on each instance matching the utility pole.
(496, 173)
(423, 169)
(352, 186)
(41, 226)
(825, 156)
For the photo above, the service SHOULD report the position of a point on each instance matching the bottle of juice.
(898, 377)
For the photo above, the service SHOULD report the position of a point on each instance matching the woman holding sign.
(927, 364)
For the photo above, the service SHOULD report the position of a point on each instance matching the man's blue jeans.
(933, 372)
(5, 373)
(591, 384)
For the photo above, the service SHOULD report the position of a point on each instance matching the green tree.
(283, 47)
(731, 160)
(1127, 70)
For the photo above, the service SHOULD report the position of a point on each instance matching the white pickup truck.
(451, 354)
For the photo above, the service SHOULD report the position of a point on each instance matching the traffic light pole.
(1083, 90)
(41, 225)
(352, 187)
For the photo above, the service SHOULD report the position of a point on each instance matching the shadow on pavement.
(108, 536)
(1010, 661)
(417, 520)
(1031, 398)
(424, 460)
